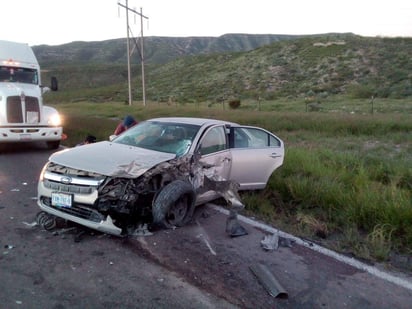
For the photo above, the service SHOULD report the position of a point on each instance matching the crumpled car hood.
(110, 159)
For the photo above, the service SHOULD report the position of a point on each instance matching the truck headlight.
(55, 120)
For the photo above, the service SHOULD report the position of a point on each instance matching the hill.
(156, 49)
(236, 66)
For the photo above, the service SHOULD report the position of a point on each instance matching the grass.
(347, 177)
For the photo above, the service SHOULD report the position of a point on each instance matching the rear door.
(256, 154)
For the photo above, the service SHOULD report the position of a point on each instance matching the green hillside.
(312, 67)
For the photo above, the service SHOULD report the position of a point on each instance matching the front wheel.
(174, 205)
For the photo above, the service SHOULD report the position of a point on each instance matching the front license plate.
(61, 199)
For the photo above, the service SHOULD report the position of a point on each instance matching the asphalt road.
(197, 266)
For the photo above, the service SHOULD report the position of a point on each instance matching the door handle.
(275, 155)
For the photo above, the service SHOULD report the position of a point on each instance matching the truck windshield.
(18, 75)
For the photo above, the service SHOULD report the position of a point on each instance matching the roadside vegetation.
(346, 182)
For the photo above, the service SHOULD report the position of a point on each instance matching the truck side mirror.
(54, 84)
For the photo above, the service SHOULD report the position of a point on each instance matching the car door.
(215, 158)
(255, 153)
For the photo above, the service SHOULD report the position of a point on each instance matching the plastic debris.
(33, 224)
(274, 241)
(233, 227)
(268, 280)
(141, 230)
(286, 242)
(270, 242)
(62, 231)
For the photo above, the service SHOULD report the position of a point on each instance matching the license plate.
(25, 137)
(61, 199)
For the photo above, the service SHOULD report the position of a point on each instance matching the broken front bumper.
(104, 225)
(84, 194)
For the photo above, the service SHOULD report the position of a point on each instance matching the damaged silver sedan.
(157, 172)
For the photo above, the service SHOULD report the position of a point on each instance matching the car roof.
(192, 120)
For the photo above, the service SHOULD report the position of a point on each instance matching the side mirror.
(112, 137)
(45, 89)
(54, 84)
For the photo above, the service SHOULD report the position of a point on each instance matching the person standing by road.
(126, 124)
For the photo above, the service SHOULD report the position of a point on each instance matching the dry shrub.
(234, 104)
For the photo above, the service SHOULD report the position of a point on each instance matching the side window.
(213, 141)
(258, 138)
(253, 138)
(273, 141)
(241, 138)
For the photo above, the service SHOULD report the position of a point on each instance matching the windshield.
(160, 136)
(18, 75)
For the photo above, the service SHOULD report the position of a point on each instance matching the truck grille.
(23, 111)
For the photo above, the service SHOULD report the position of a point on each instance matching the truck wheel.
(174, 205)
(53, 144)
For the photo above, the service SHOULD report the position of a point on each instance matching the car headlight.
(43, 170)
(55, 120)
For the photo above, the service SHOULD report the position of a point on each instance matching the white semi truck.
(23, 117)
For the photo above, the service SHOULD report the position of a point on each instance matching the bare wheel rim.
(178, 212)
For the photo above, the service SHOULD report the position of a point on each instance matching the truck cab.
(23, 117)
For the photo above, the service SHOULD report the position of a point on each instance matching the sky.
(56, 22)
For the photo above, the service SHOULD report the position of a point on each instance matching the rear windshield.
(160, 136)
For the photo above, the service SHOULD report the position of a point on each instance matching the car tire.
(174, 205)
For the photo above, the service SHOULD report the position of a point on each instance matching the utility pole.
(129, 52)
(142, 55)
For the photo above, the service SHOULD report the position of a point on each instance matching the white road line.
(405, 283)
(205, 238)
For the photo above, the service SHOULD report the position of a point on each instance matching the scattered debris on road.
(268, 280)
(141, 230)
(33, 224)
(45, 220)
(273, 241)
(270, 242)
(233, 227)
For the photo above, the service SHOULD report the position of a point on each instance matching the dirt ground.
(208, 258)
